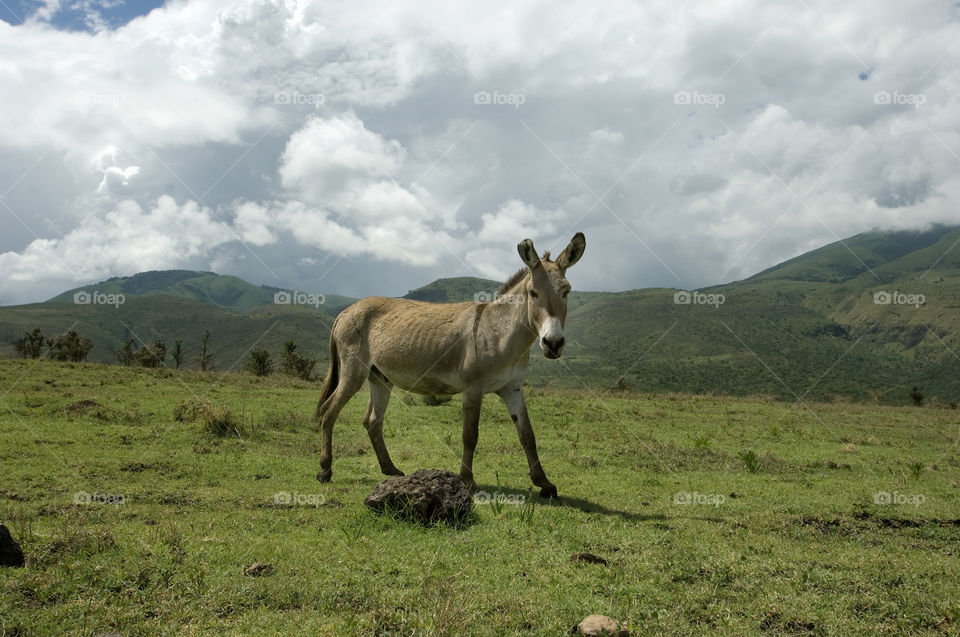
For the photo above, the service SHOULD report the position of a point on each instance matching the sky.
(367, 148)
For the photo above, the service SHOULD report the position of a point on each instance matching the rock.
(426, 496)
(599, 625)
(10, 552)
(259, 569)
(589, 558)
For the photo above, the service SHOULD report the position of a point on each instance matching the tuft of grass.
(211, 419)
(435, 400)
(288, 420)
(701, 442)
(751, 461)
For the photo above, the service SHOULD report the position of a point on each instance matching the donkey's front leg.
(512, 396)
(472, 398)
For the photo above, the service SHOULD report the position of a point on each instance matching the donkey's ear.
(528, 253)
(572, 253)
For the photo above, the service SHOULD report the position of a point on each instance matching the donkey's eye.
(565, 293)
(533, 294)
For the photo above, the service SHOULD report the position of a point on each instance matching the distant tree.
(260, 362)
(128, 353)
(205, 354)
(291, 362)
(917, 396)
(153, 355)
(70, 347)
(30, 345)
(622, 384)
(177, 353)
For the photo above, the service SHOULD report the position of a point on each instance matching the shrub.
(260, 362)
(70, 347)
(435, 400)
(291, 362)
(30, 345)
(153, 355)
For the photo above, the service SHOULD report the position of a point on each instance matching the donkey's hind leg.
(380, 389)
(352, 374)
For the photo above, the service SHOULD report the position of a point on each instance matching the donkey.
(448, 348)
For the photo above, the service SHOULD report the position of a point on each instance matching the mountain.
(455, 290)
(228, 292)
(811, 327)
(844, 322)
(889, 253)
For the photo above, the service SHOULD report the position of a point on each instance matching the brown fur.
(448, 348)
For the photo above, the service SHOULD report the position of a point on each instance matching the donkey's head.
(546, 291)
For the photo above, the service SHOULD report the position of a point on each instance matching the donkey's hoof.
(391, 471)
(324, 476)
(548, 492)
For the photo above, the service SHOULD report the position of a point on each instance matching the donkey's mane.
(518, 276)
(510, 283)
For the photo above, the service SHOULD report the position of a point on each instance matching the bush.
(127, 354)
(70, 347)
(153, 355)
(291, 362)
(260, 362)
(30, 345)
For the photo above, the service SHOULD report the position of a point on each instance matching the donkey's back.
(414, 345)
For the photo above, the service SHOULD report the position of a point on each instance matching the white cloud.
(174, 123)
(329, 156)
(125, 240)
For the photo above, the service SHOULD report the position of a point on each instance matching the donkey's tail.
(330, 382)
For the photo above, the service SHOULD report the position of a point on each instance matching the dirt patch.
(82, 406)
(588, 558)
(905, 523)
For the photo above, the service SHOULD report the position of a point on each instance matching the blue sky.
(73, 15)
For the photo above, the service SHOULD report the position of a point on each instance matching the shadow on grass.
(581, 504)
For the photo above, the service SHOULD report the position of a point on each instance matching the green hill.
(148, 317)
(455, 290)
(225, 291)
(809, 328)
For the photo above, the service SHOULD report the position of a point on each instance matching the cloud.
(692, 145)
(126, 240)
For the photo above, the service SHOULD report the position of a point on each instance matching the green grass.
(135, 522)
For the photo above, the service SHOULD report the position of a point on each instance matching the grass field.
(715, 515)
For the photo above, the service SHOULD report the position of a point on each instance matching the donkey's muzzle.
(552, 348)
